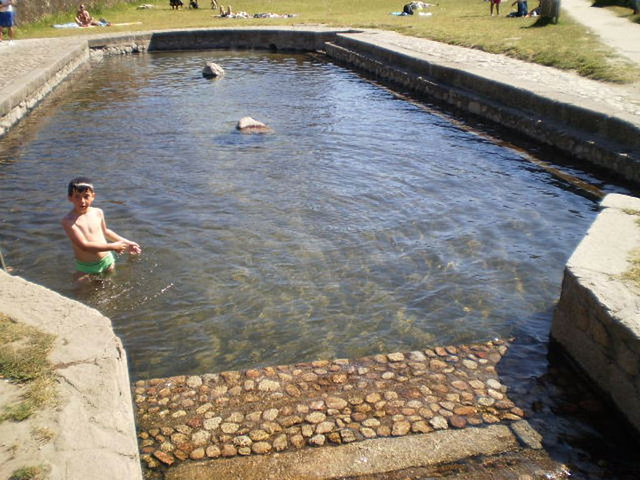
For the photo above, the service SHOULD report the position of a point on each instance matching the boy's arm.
(113, 236)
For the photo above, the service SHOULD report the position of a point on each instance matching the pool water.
(363, 224)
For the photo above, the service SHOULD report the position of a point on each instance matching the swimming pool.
(363, 224)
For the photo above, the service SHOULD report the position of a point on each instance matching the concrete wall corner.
(597, 318)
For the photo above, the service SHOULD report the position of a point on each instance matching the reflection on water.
(362, 225)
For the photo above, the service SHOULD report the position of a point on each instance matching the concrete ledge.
(265, 38)
(597, 319)
(93, 423)
(27, 90)
(364, 458)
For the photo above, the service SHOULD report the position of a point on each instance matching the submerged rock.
(251, 125)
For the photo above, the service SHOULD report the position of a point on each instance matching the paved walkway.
(617, 32)
(27, 57)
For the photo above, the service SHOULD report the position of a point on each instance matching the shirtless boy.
(93, 243)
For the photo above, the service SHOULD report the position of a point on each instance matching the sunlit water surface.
(363, 224)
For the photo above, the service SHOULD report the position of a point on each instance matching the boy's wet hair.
(80, 185)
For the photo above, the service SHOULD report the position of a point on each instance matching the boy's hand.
(134, 249)
(120, 246)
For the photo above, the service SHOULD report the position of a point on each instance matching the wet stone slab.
(306, 405)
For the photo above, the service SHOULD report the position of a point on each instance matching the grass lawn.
(565, 45)
(23, 359)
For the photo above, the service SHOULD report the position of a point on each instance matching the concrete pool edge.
(31, 87)
(596, 320)
(92, 425)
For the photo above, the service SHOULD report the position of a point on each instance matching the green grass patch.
(29, 473)
(566, 45)
(23, 359)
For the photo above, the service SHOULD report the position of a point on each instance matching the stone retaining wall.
(302, 40)
(597, 319)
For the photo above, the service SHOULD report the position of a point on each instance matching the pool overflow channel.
(344, 401)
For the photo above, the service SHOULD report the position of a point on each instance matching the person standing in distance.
(8, 18)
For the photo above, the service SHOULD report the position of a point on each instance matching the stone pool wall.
(603, 140)
(597, 319)
(293, 39)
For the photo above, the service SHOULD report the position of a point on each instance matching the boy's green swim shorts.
(96, 267)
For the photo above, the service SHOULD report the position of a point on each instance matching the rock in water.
(251, 125)
(212, 70)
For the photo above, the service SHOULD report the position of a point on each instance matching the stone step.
(425, 407)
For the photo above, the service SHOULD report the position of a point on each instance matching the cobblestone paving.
(320, 403)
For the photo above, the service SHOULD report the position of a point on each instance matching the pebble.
(276, 409)
(400, 428)
(317, 440)
(347, 435)
(280, 443)
(439, 423)
(213, 451)
(229, 427)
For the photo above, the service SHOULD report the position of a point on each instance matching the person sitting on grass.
(523, 9)
(84, 18)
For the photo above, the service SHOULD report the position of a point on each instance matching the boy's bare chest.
(90, 225)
